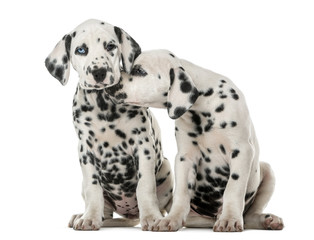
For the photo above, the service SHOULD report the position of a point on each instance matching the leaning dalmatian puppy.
(120, 153)
(219, 181)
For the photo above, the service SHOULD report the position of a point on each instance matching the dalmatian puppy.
(219, 181)
(120, 152)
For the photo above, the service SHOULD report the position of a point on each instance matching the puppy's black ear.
(58, 61)
(128, 47)
(182, 93)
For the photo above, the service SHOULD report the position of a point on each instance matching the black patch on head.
(235, 153)
(235, 176)
(220, 108)
(65, 59)
(59, 73)
(179, 111)
(118, 32)
(171, 73)
(186, 87)
(68, 40)
(73, 34)
(194, 95)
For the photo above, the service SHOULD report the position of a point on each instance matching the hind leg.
(255, 218)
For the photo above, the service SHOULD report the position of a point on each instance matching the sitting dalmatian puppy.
(120, 152)
(219, 181)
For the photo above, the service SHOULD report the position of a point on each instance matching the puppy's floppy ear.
(129, 49)
(182, 93)
(58, 61)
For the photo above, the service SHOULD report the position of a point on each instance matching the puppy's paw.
(228, 224)
(272, 222)
(169, 224)
(148, 221)
(79, 222)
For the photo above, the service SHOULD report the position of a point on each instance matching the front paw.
(148, 221)
(169, 224)
(228, 224)
(79, 222)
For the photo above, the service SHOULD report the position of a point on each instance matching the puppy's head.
(95, 50)
(157, 79)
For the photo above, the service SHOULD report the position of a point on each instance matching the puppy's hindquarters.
(254, 217)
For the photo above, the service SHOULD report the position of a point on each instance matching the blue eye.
(82, 50)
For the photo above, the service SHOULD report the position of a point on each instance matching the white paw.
(147, 222)
(272, 222)
(169, 224)
(228, 224)
(79, 222)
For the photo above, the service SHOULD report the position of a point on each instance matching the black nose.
(99, 74)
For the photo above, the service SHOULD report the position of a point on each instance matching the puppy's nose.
(99, 74)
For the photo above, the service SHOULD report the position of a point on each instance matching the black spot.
(233, 124)
(191, 134)
(235, 96)
(171, 55)
(91, 133)
(209, 92)
(132, 113)
(220, 108)
(86, 108)
(120, 133)
(106, 144)
(59, 73)
(68, 40)
(179, 111)
(186, 87)
(146, 152)
(171, 73)
(101, 103)
(196, 119)
(223, 81)
(194, 95)
(183, 77)
(235, 176)
(73, 34)
(118, 33)
(209, 125)
(65, 59)
(182, 159)
(222, 149)
(235, 153)
(223, 124)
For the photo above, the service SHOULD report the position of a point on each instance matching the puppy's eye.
(110, 47)
(138, 71)
(82, 50)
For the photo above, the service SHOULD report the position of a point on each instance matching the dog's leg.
(146, 187)
(231, 218)
(94, 201)
(254, 218)
(185, 176)
(109, 221)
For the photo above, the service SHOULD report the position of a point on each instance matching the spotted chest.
(111, 137)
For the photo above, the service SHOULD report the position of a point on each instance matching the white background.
(265, 47)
